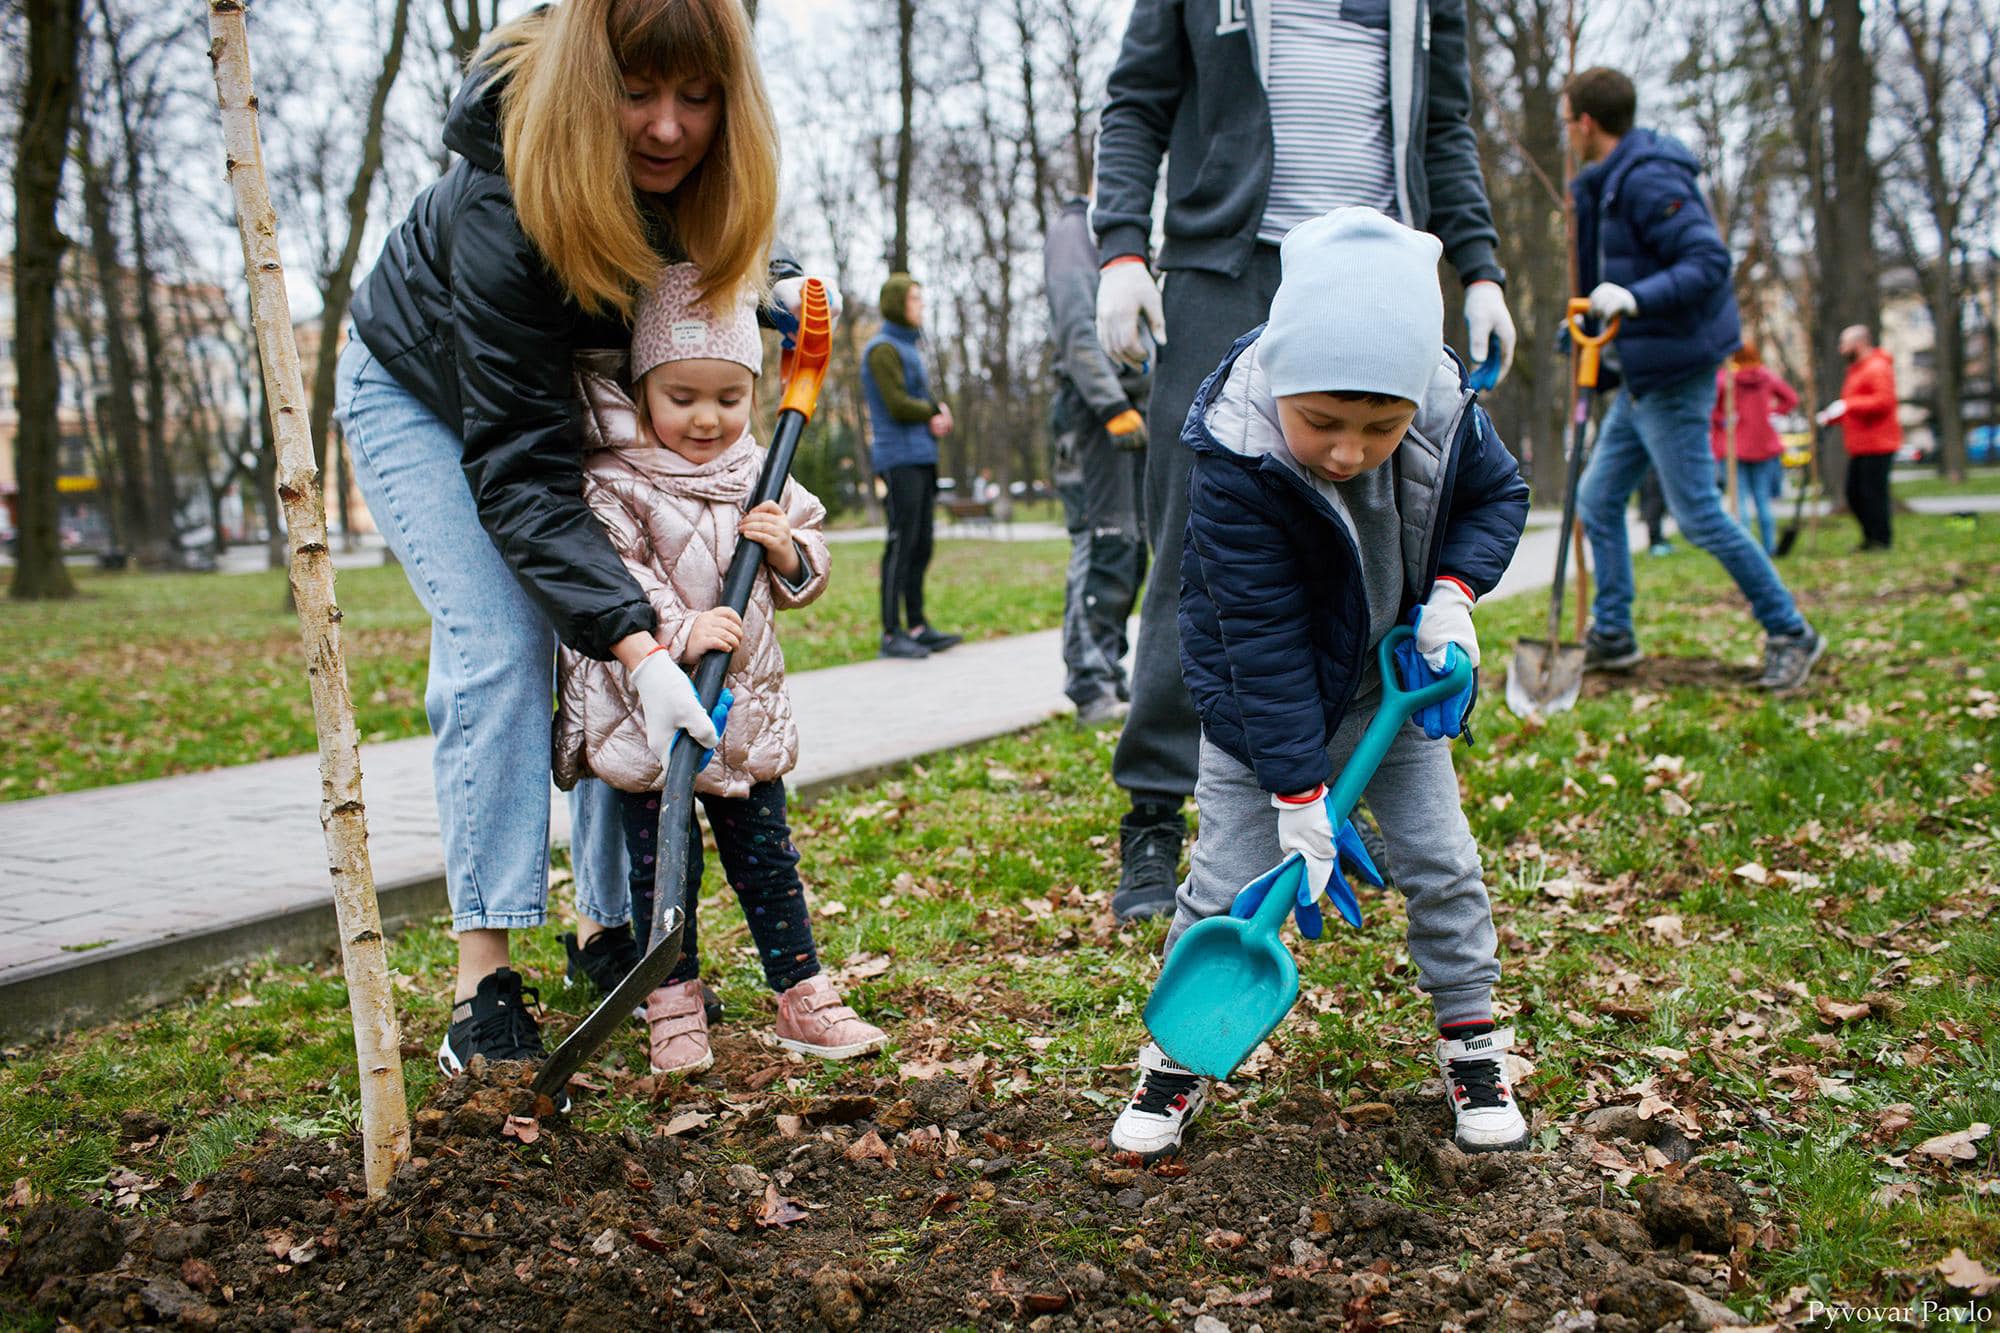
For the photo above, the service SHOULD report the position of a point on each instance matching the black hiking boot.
(1150, 849)
(1610, 652)
(498, 1022)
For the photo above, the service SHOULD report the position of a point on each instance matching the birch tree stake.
(385, 1121)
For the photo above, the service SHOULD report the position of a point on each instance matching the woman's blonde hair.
(566, 157)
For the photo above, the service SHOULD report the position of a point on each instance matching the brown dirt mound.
(889, 1206)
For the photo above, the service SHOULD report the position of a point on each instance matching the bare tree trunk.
(385, 1127)
(160, 537)
(50, 89)
(906, 145)
(1038, 162)
(1849, 284)
(121, 411)
(337, 285)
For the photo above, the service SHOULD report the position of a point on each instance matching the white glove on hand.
(791, 294)
(1128, 307)
(1447, 620)
(669, 705)
(1303, 827)
(1832, 412)
(1610, 301)
(1486, 317)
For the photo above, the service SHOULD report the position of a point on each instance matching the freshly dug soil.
(892, 1205)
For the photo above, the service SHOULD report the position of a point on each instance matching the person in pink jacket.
(668, 470)
(1758, 393)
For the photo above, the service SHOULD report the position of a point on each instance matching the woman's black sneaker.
(498, 1022)
(609, 957)
(936, 639)
(899, 644)
(604, 962)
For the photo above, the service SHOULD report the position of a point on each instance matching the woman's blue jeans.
(1758, 485)
(492, 670)
(1669, 428)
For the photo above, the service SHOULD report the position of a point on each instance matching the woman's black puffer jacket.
(463, 312)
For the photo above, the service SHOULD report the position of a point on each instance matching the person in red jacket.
(1751, 393)
(1866, 411)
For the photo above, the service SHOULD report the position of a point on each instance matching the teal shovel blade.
(1227, 984)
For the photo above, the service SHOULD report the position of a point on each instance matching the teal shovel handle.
(1398, 706)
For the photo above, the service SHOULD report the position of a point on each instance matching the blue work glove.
(1295, 874)
(1434, 652)
(719, 715)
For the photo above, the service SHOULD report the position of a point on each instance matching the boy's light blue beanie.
(1358, 308)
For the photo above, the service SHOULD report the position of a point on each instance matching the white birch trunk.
(385, 1124)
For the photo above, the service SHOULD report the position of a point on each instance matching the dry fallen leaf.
(870, 1148)
(778, 1211)
(1675, 804)
(1666, 928)
(1753, 872)
(684, 1122)
(1956, 1146)
(1967, 1273)
(789, 1126)
(1895, 1192)
(1835, 1012)
(521, 1127)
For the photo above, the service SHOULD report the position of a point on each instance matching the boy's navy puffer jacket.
(1274, 612)
(1641, 223)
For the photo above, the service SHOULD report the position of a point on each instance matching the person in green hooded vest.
(906, 423)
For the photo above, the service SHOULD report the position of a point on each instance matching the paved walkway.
(119, 896)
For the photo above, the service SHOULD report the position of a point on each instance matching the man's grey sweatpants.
(1414, 797)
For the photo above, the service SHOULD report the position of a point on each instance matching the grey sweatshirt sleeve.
(1141, 96)
(1460, 215)
(1069, 264)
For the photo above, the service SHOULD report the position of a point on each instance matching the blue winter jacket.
(1641, 222)
(1274, 610)
(896, 443)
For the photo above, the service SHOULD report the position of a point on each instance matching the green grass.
(1873, 791)
(1980, 479)
(146, 675)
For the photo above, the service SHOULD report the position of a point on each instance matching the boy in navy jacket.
(1344, 481)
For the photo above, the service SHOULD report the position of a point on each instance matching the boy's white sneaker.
(1155, 1120)
(1484, 1113)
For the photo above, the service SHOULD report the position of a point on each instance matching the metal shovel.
(1230, 982)
(1547, 673)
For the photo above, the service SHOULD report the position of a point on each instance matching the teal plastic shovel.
(1229, 983)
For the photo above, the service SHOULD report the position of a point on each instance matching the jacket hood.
(1638, 145)
(895, 295)
(472, 124)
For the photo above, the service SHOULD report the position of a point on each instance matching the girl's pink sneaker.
(678, 1026)
(813, 1021)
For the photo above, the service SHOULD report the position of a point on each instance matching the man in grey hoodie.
(1269, 112)
(1100, 437)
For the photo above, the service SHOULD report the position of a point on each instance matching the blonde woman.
(597, 141)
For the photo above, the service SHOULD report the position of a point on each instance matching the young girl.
(668, 476)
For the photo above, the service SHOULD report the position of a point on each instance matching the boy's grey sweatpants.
(1414, 796)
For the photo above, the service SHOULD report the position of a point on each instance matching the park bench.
(963, 509)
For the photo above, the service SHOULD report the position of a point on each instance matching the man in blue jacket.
(1268, 112)
(1650, 256)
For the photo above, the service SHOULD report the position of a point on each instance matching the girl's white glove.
(1447, 620)
(1304, 827)
(1610, 301)
(669, 705)
(1128, 308)
(791, 294)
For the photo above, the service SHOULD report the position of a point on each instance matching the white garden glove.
(669, 705)
(791, 294)
(1832, 412)
(1128, 308)
(1486, 318)
(1610, 301)
(1304, 827)
(1447, 620)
